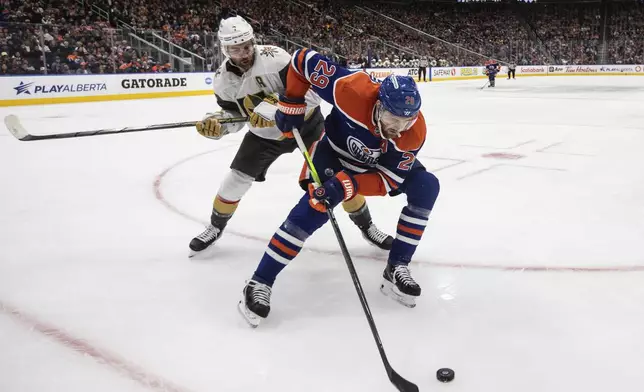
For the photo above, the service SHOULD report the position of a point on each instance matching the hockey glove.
(258, 121)
(263, 115)
(339, 188)
(290, 114)
(210, 127)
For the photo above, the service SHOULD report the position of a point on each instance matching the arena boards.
(44, 89)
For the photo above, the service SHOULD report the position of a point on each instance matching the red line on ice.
(534, 268)
(104, 357)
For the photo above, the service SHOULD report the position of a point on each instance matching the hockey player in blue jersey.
(372, 137)
(492, 68)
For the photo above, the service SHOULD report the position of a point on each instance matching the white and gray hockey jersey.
(240, 92)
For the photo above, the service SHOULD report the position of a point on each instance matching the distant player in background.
(492, 68)
(512, 70)
(422, 68)
(372, 137)
(246, 85)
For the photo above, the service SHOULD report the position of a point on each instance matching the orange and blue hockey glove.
(337, 189)
(290, 114)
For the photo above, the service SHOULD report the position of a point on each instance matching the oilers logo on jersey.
(361, 152)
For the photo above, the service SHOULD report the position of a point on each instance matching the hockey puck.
(445, 375)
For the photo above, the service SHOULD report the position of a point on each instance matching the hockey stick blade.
(400, 383)
(15, 127)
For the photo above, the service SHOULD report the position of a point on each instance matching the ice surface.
(532, 266)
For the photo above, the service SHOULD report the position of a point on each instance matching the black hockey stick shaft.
(15, 127)
(399, 382)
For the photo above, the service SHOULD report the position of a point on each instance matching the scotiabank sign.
(533, 69)
(447, 73)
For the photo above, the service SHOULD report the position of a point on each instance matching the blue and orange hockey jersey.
(379, 165)
(492, 67)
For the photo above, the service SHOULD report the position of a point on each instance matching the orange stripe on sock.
(283, 247)
(410, 230)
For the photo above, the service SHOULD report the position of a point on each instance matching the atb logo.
(23, 88)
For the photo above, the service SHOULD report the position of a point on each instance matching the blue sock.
(411, 225)
(288, 240)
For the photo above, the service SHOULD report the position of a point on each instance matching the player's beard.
(245, 62)
(389, 134)
(389, 125)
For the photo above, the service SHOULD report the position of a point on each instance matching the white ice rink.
(532, 266)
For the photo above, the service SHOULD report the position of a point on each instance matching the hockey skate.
(201, 245)
(371, 232)
(399, 285)
(377, 238)
(255, 303)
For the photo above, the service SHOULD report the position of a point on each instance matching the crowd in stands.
(571, 33)
(64, 37)
(71, 37)
(626, 35)
(454, 36)
(190, 24)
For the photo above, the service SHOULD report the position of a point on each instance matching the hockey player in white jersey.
(246, 85)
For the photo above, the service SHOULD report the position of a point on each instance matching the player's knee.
(235, 185)
(305, 217)
(423, 189)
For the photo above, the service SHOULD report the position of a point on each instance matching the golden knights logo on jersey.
(250, 102)
(361, 152)
(268, 51)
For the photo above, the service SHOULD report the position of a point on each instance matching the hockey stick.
(485, 85)
(400, 383)
(15, 127)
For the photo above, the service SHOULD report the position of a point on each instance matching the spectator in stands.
(66, 36)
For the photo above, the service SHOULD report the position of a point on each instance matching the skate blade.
(251, 318)
(205, 254)
(391, 291)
